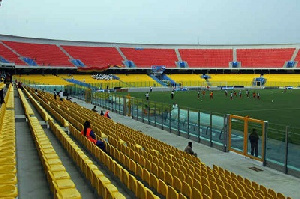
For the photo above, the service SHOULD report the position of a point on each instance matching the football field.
(280, 108)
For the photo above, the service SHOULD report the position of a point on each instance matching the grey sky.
(155, 21)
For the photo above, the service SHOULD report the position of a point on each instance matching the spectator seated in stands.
(189, 149)
(102, 77)
(88, 132)
(106, 114)
(94, 109)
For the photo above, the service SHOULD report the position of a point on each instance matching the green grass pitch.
(278, 107)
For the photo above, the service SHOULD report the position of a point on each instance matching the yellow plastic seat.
(71, 193)
(60, 175)
(8, 179)
(56, 167)
(8, 169)
(64, 183)
(7, 161)
(8, 191)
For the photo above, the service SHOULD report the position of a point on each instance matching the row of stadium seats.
(265, 58)
(42, 54)
(171, 172)
(207, 58)
(125, 177)
(104, 187)
(95, 56)
(144, 58)
(9, 56)
(143, 80)
(8, 171)
(101, 57)
(61, 185)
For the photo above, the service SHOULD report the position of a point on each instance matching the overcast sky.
(155, 21)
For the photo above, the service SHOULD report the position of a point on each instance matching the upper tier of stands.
(8, 55)
(99, 57)
(264, 58)
(145, 58)
(298, 59)
(42, 54)
(207, 58)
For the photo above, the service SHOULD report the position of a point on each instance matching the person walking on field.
(147, 96)
(253, 138)
(172, 95)
(211, 95)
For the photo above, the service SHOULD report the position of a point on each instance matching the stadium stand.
(8, 172)
(41, 54)
(97, 179)
(207, 58)
(61, 185)
(99, 57)
(264, 58)
(282, 79)
(232, 79)
(103, 186)
(43, 79)
(164, 168)
(9, 56)
(138, 80)
(187, 79)
(297, 59)
(146, 57)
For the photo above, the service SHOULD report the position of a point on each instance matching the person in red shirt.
(254, 95)
(211, 95)
(106, 114)
(88, 132)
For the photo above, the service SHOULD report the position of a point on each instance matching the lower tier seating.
(8, 167)
(103, 187)
(61, 184)
(171, 172)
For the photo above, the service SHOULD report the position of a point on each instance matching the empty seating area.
(207, 58)
(42, 54)
(42, 79)
(61, 185)
(98, 57)
(146, 57)
(8, 166)
(282, 79)
(264, 58)
(297, 59)
(231, 79)
(137, 80)
(9, 56)
(142, 162)
(188, 79)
